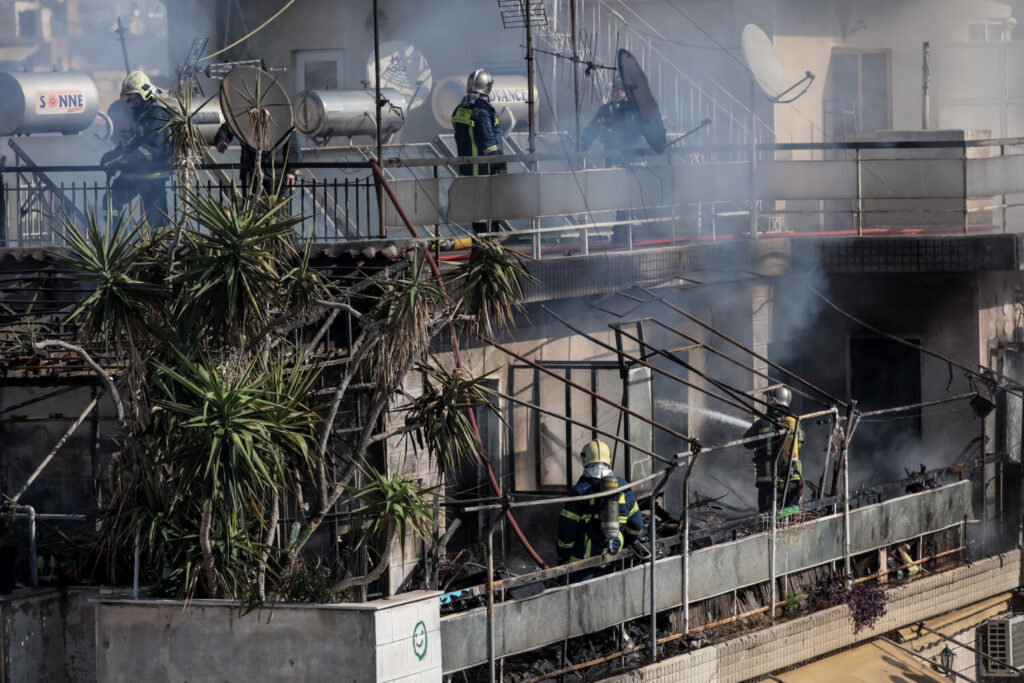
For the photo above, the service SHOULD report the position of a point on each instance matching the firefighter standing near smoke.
(478, 132)
(598, 525)
(781, 451)
(616, 125)
(144, 156)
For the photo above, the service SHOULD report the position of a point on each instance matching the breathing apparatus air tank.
(609, 512)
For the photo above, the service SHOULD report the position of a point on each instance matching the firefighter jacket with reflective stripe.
(616, 125)
(477, 134)
(783, 450)
(147, 153)
(579, 526)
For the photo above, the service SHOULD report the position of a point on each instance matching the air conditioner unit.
(1003, 641)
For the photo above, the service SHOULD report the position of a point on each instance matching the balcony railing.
(582, 203)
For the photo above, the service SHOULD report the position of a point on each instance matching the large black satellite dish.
(638, 92)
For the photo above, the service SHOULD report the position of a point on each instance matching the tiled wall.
(823, 632)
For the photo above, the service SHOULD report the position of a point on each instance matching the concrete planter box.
(395, 639)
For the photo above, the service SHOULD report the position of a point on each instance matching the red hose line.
(379, 175)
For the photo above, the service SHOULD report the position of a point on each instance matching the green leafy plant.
(490, 284)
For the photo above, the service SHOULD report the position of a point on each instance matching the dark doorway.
(884, 374)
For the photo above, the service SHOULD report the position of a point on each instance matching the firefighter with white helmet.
(777, 457)
(144, 156)
(589, 527)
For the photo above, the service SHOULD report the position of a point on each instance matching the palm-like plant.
(490, 284)
(118, 263)
(403, 321)
(390, 508)
(233, 279)
(240, 434)
(440, 415)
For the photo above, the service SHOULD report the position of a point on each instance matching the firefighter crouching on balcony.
(478, 132)
(144, 155)
(783, 450)
(598, 525)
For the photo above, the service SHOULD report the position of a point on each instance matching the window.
(859, 90)
(545, 448)
(990, 30)
(319, 69)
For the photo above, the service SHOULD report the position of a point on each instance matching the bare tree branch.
(48, 343)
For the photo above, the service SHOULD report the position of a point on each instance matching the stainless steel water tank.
(346, 113)
(46, 102)
(508, 97)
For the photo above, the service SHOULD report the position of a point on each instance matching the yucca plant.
(232, 280)
(402, 322)
(117, 262)
(239, 436)
(489, 284)
(390, 508)
(439, 415)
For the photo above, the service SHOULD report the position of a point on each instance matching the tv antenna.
(188, 72)
(526, 14)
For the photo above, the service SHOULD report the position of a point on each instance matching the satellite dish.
(247, 87)
(638, 92)
(402, 68)
(763, 63)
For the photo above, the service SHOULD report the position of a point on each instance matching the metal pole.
(33, 570)
(135, 569)
(654, 574)
(490, 595)
(925, 84)
(529, 80)
(380, 143)
(771, 539)
(686, 555)
(860, 200)
(851, 424)
(575, 70)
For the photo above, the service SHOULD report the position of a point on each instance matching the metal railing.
(587, 203)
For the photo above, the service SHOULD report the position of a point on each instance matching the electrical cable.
(251, 33)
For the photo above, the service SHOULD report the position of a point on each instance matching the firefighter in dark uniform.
(580, 533)
(277, 171)
(782, 451)
(144, 155)
(615, 124)
(478, 132)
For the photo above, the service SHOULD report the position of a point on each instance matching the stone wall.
(792, 642)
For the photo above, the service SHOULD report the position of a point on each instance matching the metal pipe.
(53, 451)
(914, 406)
(33, 570)
(135, 568)
(686, 554)
(771, 537)
(926, 114)
(490, 604)
(575, 72)
(851, 425)
(376, 87)
(654, 575)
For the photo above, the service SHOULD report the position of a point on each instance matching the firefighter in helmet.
(777, 457)
(594, 526)
(478, 132)
(143, 156)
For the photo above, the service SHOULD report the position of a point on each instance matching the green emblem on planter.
(419, 640)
